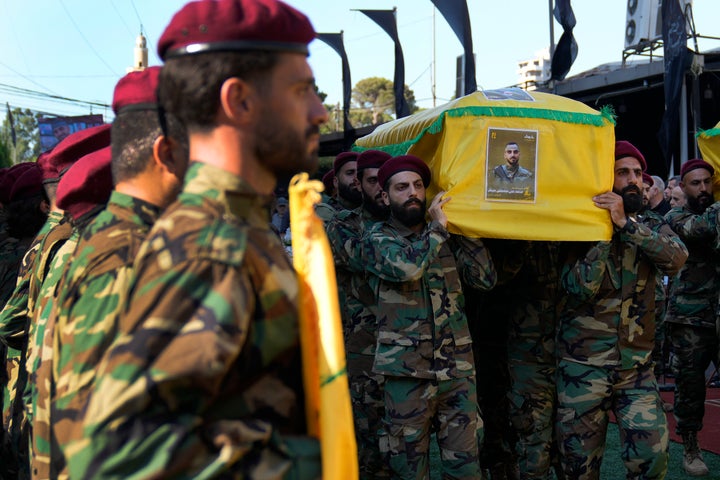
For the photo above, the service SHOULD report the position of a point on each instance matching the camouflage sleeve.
(345, 243)
(399, 259)
(474, 262)
(660, 244)
(325, 212)
(690, 226)
(583, 277)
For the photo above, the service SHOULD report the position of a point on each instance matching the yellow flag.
(329, 411)
(709, 144)
(565, 151)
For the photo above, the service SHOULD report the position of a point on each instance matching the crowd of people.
(149, 321)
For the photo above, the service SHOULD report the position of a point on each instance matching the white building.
(535, 71)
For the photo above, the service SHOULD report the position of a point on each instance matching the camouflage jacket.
(609, 315)
(89, 302)
(327, 210)
(357, 300)
(533, 306)
(694, 291)
(14, 317)
(422, 327)
(205, 373)
(40, 386)
(14, 324)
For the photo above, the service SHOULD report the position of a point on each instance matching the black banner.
(567, 48)
(457, 16)
(335, 40)
(386, 20)
(677, 59)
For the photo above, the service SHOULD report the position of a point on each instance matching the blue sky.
(80, 48)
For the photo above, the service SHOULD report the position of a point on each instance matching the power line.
(85, 38)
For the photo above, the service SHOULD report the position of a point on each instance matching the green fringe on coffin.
(607, 115)
(712, 132)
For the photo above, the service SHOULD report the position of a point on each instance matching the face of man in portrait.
(512, 154)
(628, 183)
(287, 130)
(698, 188)
(372, 193)
(406, 198)
(61, 131)
(672, 183)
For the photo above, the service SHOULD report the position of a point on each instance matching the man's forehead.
(348, 166)
(628, 162)
(697, 174)
(406, 176)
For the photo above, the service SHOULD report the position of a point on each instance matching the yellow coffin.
(566, 153)
(709, 144)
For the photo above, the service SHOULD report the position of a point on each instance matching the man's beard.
(409, 217)
(349, 194)
(377, 210)
(632, 198)
(700, 203)
(282, 149)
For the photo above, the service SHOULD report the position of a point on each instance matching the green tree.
(27, 144)
(374, 101)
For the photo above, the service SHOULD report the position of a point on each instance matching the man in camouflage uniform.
(204, 379)
(27, 211)
(607, 333)
(691, 312)
(424, 347)
(357, 306)
(531, 358)
(147, 172)
(82, 192)
(348, 195)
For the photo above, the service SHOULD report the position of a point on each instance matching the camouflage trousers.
(532, 413)
(414, 408)
(368, 404)
(693, 348)
(586, 396)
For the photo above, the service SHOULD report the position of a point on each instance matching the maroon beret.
(77, 145)
(235, 25)
(344, 158)
(87, 184)
(137, 91)
(648, 179)
(328, 180)
(28, 184)
(372, 159)
(48, 169)
(9, 178)
(403, 163)
(623, 148)
(694, 164)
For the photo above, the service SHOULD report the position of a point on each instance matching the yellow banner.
(328, 408)
(566, 156)
(709, 144)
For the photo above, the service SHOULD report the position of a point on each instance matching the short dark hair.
(133, 135)
(190, 85)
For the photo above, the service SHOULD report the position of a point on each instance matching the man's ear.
(163, 153)
(386, 199)
(237, 99)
